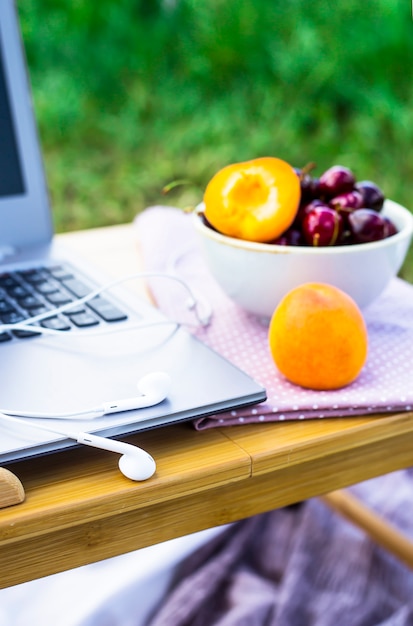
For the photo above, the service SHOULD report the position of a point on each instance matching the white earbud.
(134, 463)
(154, 388)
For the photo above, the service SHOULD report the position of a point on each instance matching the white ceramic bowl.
(256, 275)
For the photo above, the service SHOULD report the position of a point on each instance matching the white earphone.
(202, 311)
(154, 388)
(134, 463)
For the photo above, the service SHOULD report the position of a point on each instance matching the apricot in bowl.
(256, 200)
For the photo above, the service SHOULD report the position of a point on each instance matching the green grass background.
(132, 94)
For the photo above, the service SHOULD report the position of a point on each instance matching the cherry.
(309, 188)
(322, 226)
(345, 238)
(291, 237)
(367, 225)
(306, 208)
(373, 197)
(308, 184)
(336, 180)
(347, 202)
(391, 228)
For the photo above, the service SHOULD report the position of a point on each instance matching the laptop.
(96, 351)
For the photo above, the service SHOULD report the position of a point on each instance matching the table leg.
(384, 533)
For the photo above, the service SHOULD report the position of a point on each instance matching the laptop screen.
(11, 178)
(25, 219)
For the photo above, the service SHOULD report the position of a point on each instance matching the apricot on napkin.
(318, 337)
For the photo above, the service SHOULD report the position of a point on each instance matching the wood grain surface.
(11, 489)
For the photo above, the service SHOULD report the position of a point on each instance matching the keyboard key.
(60, 272)
(55, 323)
(5, 307)
(7, 281)
(24, 334)
(14, 317)
(33, 276)
(75, 310)
(46, 287)
(83, 319)
(38, 311)
(107, 311)
(17, 291)
(57, 298)
(29, 302)
(77, 287)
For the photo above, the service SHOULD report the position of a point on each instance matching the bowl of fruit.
(266, 227)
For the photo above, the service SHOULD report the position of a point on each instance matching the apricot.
(318, 337)
(255, 200)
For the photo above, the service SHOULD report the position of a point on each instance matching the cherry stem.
(307, 169)
(175, 183)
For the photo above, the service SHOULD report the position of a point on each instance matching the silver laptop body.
(81, 367)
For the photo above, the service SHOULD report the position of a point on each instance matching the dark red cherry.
(347, 202)
(309, 188)
(308, 184)
(336, 180)
(345, 238)
(373, 197)
(291, 237)
(306, 208)
(322, 226)
(367, 225)
(391, 228)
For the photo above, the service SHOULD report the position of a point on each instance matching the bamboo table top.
(79, 508)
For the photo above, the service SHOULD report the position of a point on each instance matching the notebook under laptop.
(104, 351)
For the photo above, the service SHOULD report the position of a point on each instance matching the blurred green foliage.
(132, 94)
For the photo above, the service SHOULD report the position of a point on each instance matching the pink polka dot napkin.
(169, 244)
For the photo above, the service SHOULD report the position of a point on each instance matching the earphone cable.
(28, 323)
(15, 419)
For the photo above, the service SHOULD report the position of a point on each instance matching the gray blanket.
(299, 566)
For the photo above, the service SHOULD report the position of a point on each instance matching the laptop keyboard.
(30, 292)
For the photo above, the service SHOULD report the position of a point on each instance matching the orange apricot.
(256, 200)
(318, 337)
